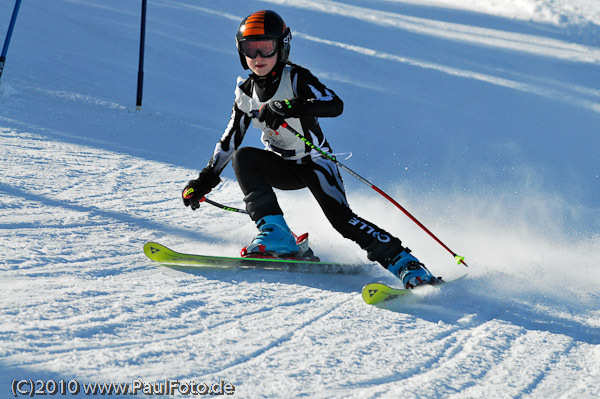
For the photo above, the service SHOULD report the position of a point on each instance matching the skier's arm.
(230, 140)
(195, 190)
(313, 98)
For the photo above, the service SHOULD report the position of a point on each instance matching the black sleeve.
(230, 140)
(313, 99)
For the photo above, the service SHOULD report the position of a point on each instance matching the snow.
(555, 12)
(480, 117)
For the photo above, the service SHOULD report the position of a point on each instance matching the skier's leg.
(383, 248)
(257, 172)
(323, 179)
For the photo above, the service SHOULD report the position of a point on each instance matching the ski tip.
(150, 248)
(156, 251)
(374, 293)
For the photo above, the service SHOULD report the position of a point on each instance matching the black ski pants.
(259, 171)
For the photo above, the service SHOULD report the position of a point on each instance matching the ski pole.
(224, 207)
(459, 259)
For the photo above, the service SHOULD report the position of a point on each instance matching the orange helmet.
(265, 33)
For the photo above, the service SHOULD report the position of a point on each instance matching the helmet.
(264, 25)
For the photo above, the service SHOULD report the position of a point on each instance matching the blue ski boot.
(410, 271)
(274, 240)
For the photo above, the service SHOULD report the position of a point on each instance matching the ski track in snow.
(81, 301)
(450, 31)
(101, 311)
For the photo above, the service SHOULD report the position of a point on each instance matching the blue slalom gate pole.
(11, 26)
(140, 80)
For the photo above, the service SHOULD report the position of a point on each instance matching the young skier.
(279, 91)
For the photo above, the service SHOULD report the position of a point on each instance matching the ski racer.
(279, 91)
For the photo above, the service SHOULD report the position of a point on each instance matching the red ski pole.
(459, 259)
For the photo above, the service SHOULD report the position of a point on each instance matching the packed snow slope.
(481, 117)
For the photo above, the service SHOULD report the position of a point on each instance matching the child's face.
(261, 66)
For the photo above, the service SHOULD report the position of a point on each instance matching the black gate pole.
(11, 26)
(140, 80)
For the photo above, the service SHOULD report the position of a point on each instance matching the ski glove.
(274, 112)
(195, 190)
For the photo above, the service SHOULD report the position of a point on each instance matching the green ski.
(162, 254)
(375, 293)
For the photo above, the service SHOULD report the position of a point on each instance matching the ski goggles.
(252, 48)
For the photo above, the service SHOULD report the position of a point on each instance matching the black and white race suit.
(287, 163)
